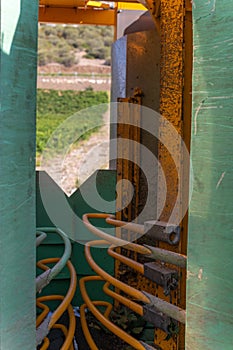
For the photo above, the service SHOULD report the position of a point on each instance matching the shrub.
(60, 44)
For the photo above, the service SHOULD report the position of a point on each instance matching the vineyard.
(54, 107)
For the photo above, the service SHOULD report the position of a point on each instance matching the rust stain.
(128, 170)
(173, 89)
(176, 63)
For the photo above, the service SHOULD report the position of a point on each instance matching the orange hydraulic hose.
(70, 294)
(72, 324)
(102, 303)
(127, 261)
(131, 226)
(85, 328)
(112, 239)
(122, 286)
(132, 305)
(108, 324)
(65, 332)
(171, 310)
(62, 328)
(45, 344)
(41, 264)
(123, 300)
(43, 314)
(152, 252)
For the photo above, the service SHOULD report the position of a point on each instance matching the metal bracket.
(159, 319)
(170, 310)
(162, 231)
(162, 275)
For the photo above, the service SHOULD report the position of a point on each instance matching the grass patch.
(54, 107)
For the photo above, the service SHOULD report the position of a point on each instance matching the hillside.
(66, 45)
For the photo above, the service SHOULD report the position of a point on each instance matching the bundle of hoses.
(47, 320)
(135, 297)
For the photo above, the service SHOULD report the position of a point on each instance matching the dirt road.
(81, 162)
(75, 82)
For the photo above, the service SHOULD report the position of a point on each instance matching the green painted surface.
(17, 180)
(105, 182)
(210, 245)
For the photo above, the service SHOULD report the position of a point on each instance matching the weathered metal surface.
(161, 231)
(167, 256)
(157, 318)
(17, 180)
(143, 71)
(128, 158)
(171, 80)
(171, 98)
(143, 56)
(169, 309)
(74, 16)
(143, 63)
(118, 89)
(162, 275)
(210, 244)
(172, 15)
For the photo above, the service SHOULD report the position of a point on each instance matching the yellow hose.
(127, 261)
(106, 239)
(152, 252)
(123, 300)
(72, 323)
(64, 331)
(85, 328)
(45, 344)
(112, 239)
(43, 314)
(65, 305)
(108, 324)
(131, 226)
(136, 294)
(71, 291)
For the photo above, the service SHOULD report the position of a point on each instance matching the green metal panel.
(210, 246)
(17, 180)
(105, 182)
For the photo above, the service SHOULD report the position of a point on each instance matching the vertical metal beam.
(128, 159)
(17, 180)
(210, 244)
(172, 20)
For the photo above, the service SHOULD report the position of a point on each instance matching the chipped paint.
(200, 274)
(220, 180)
(175, 84)
(9, 23)
(209, 291)
(17, 154)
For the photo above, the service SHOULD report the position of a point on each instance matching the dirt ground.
(82, 161)
(75, 168)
